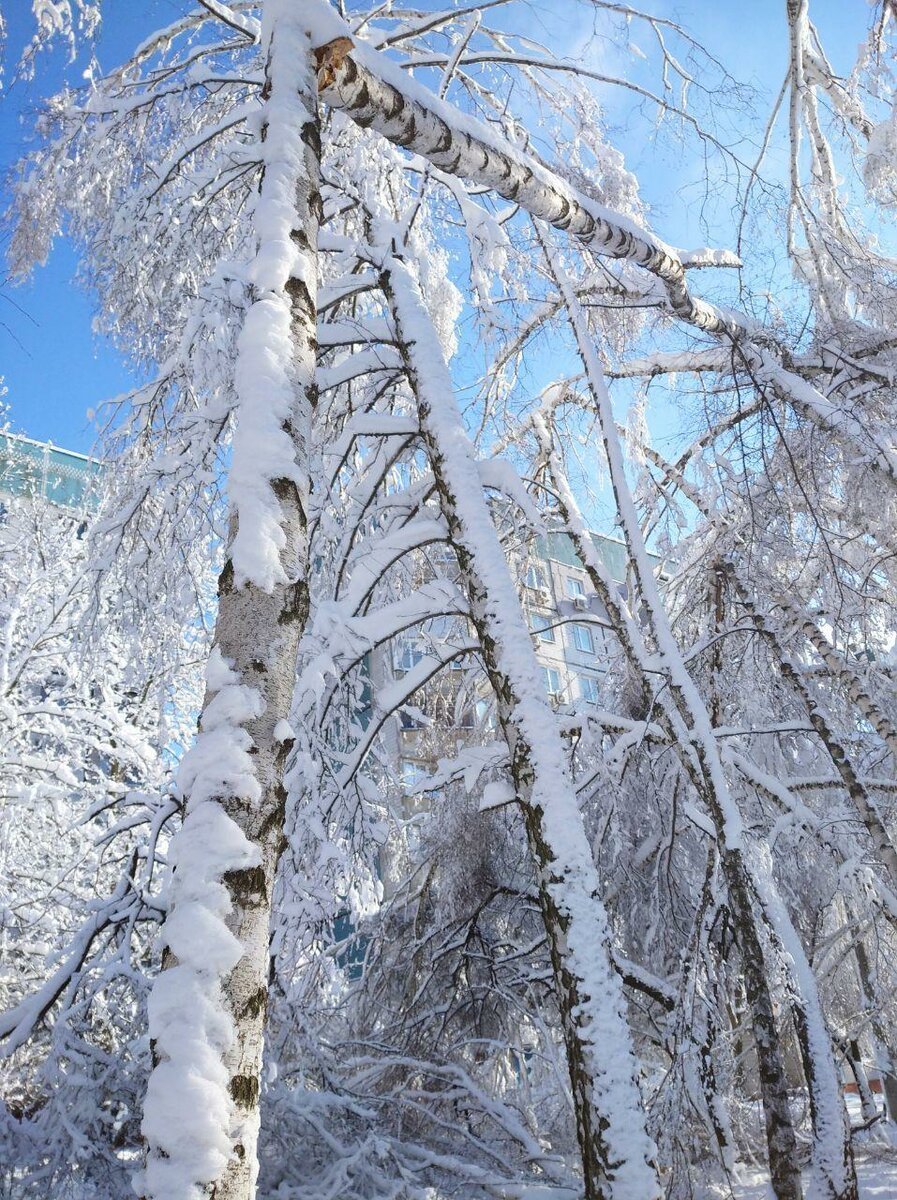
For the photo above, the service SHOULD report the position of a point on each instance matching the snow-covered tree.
(92, 713)
(307, 222)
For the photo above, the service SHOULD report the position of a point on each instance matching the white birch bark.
(617, 1154)
(208, 1007)
(376, 95)
(748, 887)
(409, 116)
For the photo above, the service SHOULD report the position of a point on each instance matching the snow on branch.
(375, 93)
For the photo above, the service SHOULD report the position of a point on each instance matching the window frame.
(580, 631)
(548, 673)
(545, 632)
(535, 578)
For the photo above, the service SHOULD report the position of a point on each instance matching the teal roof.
(559, 548)
(39, 471)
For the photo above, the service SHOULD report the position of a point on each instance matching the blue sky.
(56, 369)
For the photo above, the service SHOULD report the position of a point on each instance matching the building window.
(467, 720)
(581, 637)
(588, 688)
(535, 577)
(575, 587)
(412, 772)
(542, 627)
(552, 680)
(407, 656)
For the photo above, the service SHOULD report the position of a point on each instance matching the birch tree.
(91, 711)
(302, 343)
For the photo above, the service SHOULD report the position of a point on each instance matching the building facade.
(39, 471)
(571, 636)
(570, 628)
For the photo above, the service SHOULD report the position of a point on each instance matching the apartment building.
(570, 635)
(39, 471)
(567, 619)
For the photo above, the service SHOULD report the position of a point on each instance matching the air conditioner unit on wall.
(581, 602)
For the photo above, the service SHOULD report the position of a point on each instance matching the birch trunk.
(882, 1038)
(207, 1011)
(617, 1155)
(868, 1106)
(865, 805)
(357, 81)
(743, 902)
(753, 901)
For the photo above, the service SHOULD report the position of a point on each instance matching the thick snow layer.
(878, 1181)
(269, 381)
(219, 762)
(188, 1109)
(876, 1163)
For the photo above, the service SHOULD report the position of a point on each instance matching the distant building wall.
(39, 471)
(567, 618)
(570, 635)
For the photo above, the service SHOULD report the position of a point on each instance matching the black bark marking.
(226, 579)
(256, 1005)
(247, 885)
(245, 1091)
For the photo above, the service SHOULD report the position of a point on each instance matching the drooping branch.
(756, 907)
(405, 113)
(376, 95)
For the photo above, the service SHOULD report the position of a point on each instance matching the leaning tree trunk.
(865, 805)
(882, 1038)
(617, 1154)
(868, 1107)
(348, 80)
(754, 904)
(207, 1009)
(781, 1140)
